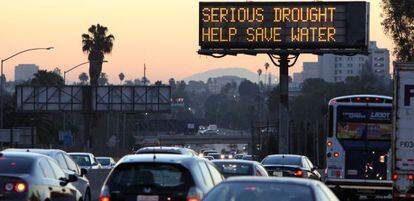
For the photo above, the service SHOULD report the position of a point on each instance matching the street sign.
(268, 27)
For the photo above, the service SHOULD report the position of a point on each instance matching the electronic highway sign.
(323, 27)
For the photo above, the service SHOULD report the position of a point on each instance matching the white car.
(85, 160)
(106, 162)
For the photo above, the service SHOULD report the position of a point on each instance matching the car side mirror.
(69, 179)
(83, 172)
(314, 168)
(72, 178)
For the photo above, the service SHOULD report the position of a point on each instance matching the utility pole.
(283, 60)
(145, 76)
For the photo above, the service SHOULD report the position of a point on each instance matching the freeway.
(198, 139)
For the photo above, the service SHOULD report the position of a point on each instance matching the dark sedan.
(30, 176)
(270, 189)
(281, 165)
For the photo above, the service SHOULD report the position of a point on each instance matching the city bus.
(358, 146)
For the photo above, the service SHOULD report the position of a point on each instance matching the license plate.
(368, 191)
(147, 198)
(278, 174)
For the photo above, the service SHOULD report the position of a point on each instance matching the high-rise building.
(336, 68)
(24, 72)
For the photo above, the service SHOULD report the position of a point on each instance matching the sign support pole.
(283, 64)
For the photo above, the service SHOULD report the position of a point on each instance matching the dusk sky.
(161, 33)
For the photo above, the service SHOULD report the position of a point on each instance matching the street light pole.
(70, 69)
(3, 78)
(64, 81)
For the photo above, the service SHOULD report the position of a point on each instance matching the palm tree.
(83, 77)
(96, 43)
(121, 77)
(103, 79)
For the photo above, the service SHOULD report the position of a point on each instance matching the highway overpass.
(197, 139)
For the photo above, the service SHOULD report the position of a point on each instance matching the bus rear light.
(336, 155)
(395, 177)
(410, 177)
(329, 144)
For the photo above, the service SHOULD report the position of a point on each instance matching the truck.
(403, 132)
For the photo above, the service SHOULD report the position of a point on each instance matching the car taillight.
(338, 173)
(298, 173)
(395, 177)
(20, 187)
(105, 194)
(410, 177)
(194, 194)
(104, 198)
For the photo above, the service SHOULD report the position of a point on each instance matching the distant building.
(25, 72)
(336, 68)
(379, 59)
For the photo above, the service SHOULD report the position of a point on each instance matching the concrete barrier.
(96, 180)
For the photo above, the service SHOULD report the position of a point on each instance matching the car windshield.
(151, 174)
(234, 169)
(260, 191)
(282, 160)
(15, 165)
(81, 160)
(104, 161)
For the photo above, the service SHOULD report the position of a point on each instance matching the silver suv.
(160, 177)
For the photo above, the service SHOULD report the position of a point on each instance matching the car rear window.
(229, 169)
(104, 161)
(280, 160)
(151, 174)
(82, 160)
(15, 165)
(260, 191)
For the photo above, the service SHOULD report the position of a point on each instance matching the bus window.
(330, 121)
(354, 123)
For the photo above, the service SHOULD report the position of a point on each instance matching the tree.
(96, 43)
(121, 77)
(248, 89)
(171, 82)
(47, 78)
(399, 24)
(103, 79)
(83, 77)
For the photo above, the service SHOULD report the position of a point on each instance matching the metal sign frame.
(290, 47)
(154, 99)
(73, 98)
(33, 98)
